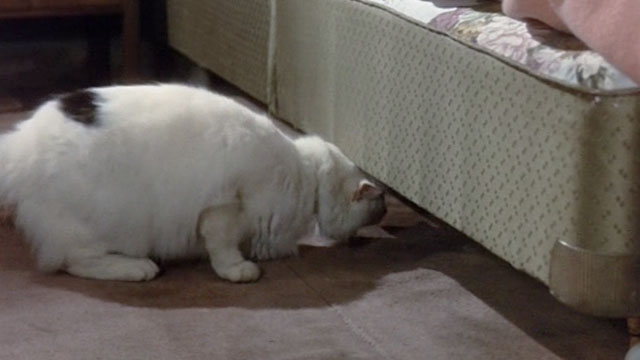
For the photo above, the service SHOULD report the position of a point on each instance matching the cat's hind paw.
(245, 271)
(114, 267)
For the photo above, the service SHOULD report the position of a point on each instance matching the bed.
(518, 136)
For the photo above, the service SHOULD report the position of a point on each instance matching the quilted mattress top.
(530, 46)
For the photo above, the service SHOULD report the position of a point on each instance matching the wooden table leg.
(633, 326)
(7, 216)
(9, 103)
(131, 40)
(99, 55)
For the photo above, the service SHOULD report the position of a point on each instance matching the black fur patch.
(80, 106)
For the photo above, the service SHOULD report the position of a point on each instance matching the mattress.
(530, 149)
(530, 46)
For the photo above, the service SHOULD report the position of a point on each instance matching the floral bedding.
(534, 47)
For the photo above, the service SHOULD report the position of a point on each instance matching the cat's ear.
(366, 190)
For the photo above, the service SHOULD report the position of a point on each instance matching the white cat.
(106, 178)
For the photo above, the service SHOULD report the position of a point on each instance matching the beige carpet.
(429, 293)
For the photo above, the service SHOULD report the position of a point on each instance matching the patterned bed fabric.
(516, 163)
(230, 38)
(534, 47)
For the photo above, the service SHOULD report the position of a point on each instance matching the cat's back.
(145, 131)
(155, 106)
(144, 119)
(122, 110)
(189, 121)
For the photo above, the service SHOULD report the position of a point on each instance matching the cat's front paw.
(245, 271)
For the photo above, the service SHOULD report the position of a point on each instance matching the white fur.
(161, 162)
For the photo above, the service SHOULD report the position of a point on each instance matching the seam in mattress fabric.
(272, 103)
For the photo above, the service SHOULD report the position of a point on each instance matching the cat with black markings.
(106, 179)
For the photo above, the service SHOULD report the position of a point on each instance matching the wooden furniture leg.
(7, 216)
(633, 326)
(99, 52)
(130, 40)
(9, 103)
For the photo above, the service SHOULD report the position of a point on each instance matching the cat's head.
(347, 200)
